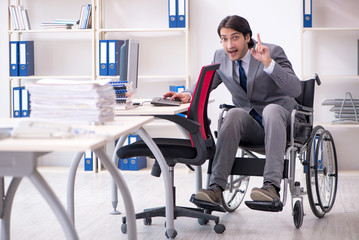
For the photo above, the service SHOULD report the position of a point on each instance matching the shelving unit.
(150, 33)
(100, 30)
(330, 48)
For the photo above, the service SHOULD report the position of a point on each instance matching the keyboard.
(159, 101)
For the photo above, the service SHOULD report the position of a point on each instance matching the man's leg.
(275, 120)
(237, 125)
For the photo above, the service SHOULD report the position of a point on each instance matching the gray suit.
(271, 96)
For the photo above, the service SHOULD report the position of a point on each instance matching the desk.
(19, 159)
(150, 110)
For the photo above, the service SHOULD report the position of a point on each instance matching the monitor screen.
(129, 62)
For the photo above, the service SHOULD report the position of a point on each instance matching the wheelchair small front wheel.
(235, 191)
(298, 214)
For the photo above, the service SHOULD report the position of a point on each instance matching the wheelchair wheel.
(321, 172)
(326, 174)
(235, 191)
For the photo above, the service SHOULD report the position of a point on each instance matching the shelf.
(159, 77)
(142, 30)
(313, 29)
(52, 31)
(52, 77)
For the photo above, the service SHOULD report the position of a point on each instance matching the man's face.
(234, 43)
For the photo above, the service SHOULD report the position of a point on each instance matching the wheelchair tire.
(235, 191)
(326, 174)
(310, 172)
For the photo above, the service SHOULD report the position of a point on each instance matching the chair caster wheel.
(124, 228)
(147, 221)
(219, 228)
(174, 234)
(298, 214)
(202, 221)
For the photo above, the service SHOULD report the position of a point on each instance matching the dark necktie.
(243, 82)
(242, 76)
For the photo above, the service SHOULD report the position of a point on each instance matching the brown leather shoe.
(266, 193)
(213, 194)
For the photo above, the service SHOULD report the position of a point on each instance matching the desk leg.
(166, 177)
(7, 205)
(126, 196)
(71, 185)
(54, 203)
(114, 196)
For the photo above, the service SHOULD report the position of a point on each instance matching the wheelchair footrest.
(207, 205)
(275, 206)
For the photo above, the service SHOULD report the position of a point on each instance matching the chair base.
(275, 206)
(198, 213)
(207, 205)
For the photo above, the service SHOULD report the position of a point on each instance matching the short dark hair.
(239, 24)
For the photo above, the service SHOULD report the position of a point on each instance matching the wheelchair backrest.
(306, 98)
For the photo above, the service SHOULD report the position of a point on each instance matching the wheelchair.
(312, 146)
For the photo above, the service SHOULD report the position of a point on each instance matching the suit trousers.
(239, 127)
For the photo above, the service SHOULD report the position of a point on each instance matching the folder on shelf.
(103, 57)
(172, 13)
(114, 47)
(88, 161)
(181, 14)
(307, 13)
(25, 102)
(16, 102)
(26, 58)
(14, 58)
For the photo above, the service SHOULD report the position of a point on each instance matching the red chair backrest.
(198, 107)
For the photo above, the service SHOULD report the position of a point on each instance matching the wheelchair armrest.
(226, 106)
(303, 109)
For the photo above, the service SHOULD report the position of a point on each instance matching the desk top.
(148, 109)
(102, 134)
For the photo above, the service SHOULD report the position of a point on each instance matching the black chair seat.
(171, 148)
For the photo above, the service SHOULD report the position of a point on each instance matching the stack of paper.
(72, 100)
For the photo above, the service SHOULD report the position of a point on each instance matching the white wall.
(277, 21)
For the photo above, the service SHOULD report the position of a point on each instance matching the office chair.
(193, 151)
(316, 151)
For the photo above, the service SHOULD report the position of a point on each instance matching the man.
(263, 86)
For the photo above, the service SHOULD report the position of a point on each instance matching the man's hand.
(184, 97)
(261, 53)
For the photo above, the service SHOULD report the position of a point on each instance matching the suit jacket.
(280, 87)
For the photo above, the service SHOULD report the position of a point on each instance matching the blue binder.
(14, 58)
(16, 102)
(307, 13)
(172, 13)
(181, 14)
(114, 47)
(88, 161)
(103, 57)
(25, 103)
(26, 58)
(178, 89)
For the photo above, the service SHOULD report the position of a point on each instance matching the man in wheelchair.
(263, 86)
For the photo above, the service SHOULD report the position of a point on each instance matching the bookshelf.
(111, 19)
(330, 48)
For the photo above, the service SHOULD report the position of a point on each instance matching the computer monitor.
(129, 62)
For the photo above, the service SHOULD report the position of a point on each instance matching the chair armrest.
(188, 124)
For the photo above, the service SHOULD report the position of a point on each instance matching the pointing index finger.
(259, 39)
